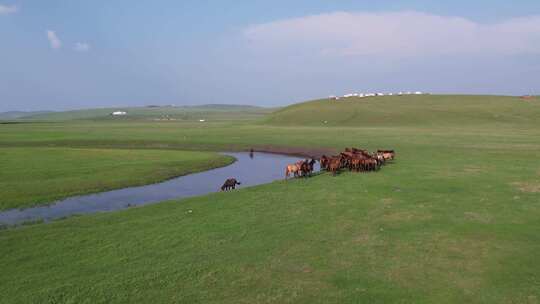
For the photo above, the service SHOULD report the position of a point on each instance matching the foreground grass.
(31, 176)
(457, 228)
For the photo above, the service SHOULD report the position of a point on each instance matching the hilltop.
(409, 110)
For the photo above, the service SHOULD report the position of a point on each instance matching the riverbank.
(250, 169)
(39, 176)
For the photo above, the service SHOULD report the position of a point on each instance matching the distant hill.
(20, 114)
(224, 107)
(409, 110)
(155, 112)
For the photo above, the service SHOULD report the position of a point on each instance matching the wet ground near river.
(260, 168)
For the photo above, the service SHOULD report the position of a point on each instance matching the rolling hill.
(409, 110)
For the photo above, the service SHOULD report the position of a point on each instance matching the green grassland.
(411, 110)
(454, 219)
(18, 114)
(189, 113)
(40, 175)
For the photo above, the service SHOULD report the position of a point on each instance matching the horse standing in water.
(294, 169)
(230, 184)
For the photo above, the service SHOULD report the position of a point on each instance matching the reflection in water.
(250, 170)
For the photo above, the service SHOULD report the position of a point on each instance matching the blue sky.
(58, 55)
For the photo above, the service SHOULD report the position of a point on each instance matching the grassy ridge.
(40, 175)
(411, 110)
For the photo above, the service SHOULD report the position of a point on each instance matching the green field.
(411, 110)
(40, 175)
(454, 219)
(156, 113)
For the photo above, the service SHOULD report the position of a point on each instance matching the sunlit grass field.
(41, 175)
(454, 219)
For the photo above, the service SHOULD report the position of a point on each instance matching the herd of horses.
(353, 159)
(358, 160)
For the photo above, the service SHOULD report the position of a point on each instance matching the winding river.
(260, 169)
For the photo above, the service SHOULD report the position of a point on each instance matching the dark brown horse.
(230, 184)
(312, 163)
(324, 160)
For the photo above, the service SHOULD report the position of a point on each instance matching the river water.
(250, 170)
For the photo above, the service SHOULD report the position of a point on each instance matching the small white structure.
(202, 120)
(118, 113)
(363, 95)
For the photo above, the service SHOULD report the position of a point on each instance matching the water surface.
(260, 169)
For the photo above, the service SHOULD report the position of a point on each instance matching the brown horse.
(324, 160)
(370, 164)
(356, 164)
(230, 184)
(335, 164)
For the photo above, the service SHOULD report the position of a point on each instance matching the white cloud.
(406, 33)
(54, 41)
(81, 47)
(8, 9)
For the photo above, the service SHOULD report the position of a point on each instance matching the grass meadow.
(41, 175)
(454, 219)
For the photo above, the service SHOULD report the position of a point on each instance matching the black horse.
(230, 184)
(307, 167)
